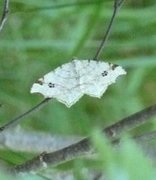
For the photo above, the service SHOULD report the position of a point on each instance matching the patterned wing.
(69, 82)
(96, 76)
(62, 84)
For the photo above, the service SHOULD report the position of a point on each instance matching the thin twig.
(117, 5)
(84, 146)
(25, 114)
(4, 14)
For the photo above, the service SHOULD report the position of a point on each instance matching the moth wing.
(64, 80)
(69, 82)
(93, 80)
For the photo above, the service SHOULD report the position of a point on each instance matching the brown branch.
(4, 14)
(84, 146)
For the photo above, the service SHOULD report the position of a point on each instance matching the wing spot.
(105, 73)
(114, 66)
(40, 81)
(51, 85)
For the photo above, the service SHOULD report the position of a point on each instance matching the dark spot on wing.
(114, 66)
(105, 73)
(40, 81)
(51, 85)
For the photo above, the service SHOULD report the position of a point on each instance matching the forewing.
(96, 76)
(60, 84)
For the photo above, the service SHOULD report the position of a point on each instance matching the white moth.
(69, 82)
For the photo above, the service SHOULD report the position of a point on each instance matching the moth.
(69, 82)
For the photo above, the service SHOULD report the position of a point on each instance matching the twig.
(4, 14)
(84, 146)
(117, 5)
(25, 114)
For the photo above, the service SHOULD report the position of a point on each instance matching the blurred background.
(41, 35)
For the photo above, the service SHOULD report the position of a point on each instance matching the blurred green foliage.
(35, 40)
